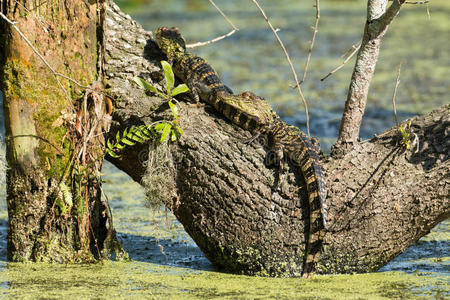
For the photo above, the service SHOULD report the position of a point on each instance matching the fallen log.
(382, 197)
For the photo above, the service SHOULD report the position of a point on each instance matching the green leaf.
(165, 132)
(174, 109)
(161, 126)
(130, 134)
(139, 134)
(136, 138)
(120, 146)
(148, 133)
(179, 129)
(109, 144)
(144, 84)
(128, 142)
(118, 137)
(182, 88)
(168, 73)
(113, 154)
(174, 135)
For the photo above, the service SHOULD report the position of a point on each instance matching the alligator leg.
(194, 86)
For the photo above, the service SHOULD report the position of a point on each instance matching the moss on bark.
(46, 223)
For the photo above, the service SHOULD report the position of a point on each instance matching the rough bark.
(382, 198)
(378, 20)
(54, 207)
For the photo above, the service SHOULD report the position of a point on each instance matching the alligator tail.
(308, 159)
(304, 153)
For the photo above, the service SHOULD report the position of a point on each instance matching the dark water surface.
(165, 262)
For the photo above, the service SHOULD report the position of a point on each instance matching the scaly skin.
(246, 110)
(193, 70)
(284, 138)
(252, 113)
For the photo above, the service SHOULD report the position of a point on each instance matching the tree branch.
(390, 14)
(219, 37)
(297, 84)
(378, 20)
(384, 198)
(313, 39)
(355, 49)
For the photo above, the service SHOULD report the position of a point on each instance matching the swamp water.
(165, 261)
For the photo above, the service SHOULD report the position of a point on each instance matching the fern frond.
(135, 135)
(127, 142)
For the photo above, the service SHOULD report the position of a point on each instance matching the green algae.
(137, 279)
(158, 244)
(159, 247)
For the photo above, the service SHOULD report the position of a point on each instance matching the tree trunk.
(53, 192)
(382, 197)
(378, 20)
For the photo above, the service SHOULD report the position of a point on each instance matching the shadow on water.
(424, 256)
(141, 248)
(165, 252)
(3, 237)
(148, 235)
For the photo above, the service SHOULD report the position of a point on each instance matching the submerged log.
(381, 197)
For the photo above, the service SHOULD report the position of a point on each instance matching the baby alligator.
(255, 115)
(252, 113)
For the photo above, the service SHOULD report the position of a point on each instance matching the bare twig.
(72, 80)
(43, 22)
(355, 49)
(223, 15)
(351, 49)
(38, 54)
(219, 37)
(37, 137)
(313, 39)
(397, 82)
(56, 74)
(211, 41)
(290, 64)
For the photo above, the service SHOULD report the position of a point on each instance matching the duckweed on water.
(165, 262)
(129, 280)
(182, 272)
